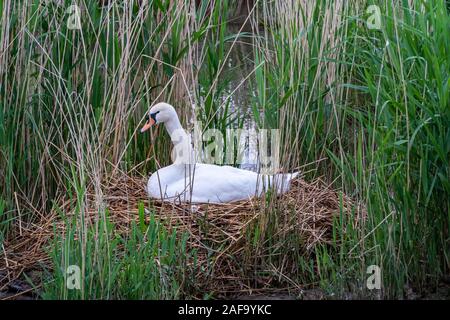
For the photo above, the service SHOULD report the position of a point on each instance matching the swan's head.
(159, 113)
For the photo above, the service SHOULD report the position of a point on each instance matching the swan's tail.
(281, 182)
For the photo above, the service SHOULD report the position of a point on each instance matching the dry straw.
(218, 232)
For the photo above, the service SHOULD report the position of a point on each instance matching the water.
(239, 92)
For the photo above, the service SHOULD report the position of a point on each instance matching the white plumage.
(188, 181)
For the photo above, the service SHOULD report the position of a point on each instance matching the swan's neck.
(172, 126)
(182, 152)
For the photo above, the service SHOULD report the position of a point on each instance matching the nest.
(248, 246)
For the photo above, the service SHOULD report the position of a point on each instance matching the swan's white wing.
(222, 184)
(210, 183)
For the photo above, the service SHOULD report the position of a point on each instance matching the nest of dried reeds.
(246, 246)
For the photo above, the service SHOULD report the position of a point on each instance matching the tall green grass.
(405, 72)
(366, 109)
(375, 103)
(147, 263)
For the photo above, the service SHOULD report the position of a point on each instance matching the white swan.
(188, 181)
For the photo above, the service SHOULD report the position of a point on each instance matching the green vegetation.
(147, 263)
(367, 109)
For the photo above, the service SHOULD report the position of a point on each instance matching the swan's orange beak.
(147, 125)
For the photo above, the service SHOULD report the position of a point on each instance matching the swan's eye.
(153, 116)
